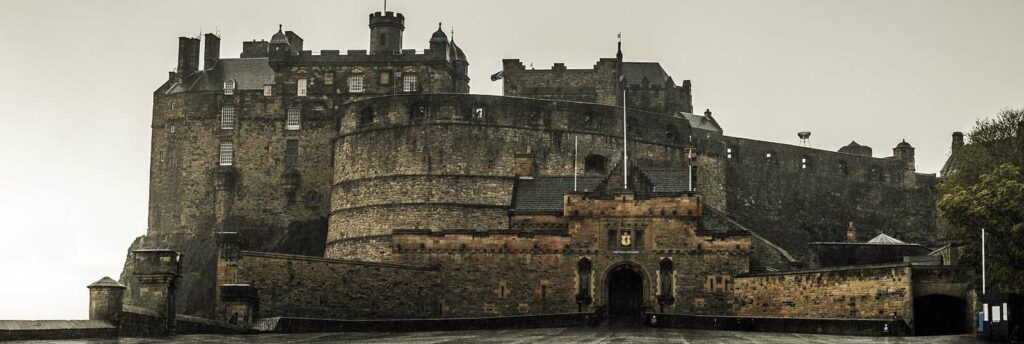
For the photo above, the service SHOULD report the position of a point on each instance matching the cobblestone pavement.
(555, 335)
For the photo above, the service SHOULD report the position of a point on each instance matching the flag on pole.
(498, 76)
(689, 156)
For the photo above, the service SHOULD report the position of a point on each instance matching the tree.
(985, 189)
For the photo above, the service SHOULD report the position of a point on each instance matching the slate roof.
(106, 282)
(545, 194)
(248, 74)
(635, 72)
(701, 122)
(667, 180)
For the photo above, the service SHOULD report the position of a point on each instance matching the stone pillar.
(156, 273)
(228, 248)
(105, 300)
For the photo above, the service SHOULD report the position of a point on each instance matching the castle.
(371, 184)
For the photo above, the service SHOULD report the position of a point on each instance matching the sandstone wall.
(300, 286)
(867, 292)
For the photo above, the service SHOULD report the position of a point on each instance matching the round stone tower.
(447, 161)
(386, 32)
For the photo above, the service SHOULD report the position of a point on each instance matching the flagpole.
(689, 164)
(625, 156)
(575, 161)
(982, 261)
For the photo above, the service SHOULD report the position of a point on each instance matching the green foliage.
(985, 189)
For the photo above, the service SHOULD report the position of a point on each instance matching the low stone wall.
(860, 292)
(307, 325)
(194, 325)
(55, 329)
(141, 322)
(294, 286)
(857, 327)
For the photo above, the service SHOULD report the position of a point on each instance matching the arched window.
(594, 164)
(366, 117)
(417, 112)
(583, 269)
(665, 268)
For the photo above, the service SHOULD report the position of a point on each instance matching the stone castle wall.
(300, 286)
(452, 168)
(866, 292)
(792, 206)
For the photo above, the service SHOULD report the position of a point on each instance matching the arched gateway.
(625, 291)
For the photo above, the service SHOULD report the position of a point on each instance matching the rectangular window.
(291, 153)
(227, 154)
(385, 77)
(294, 120)
(409, 83)
(229, 87)
(268, 90)
(329, 78)
(227, 117)
(301, 92)
(355, 84)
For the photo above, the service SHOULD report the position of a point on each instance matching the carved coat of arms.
(625, 239)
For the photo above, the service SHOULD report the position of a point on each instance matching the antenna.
(805, 138)
(575, 161)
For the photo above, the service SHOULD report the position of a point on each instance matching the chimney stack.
(188, 56)
(211, 50)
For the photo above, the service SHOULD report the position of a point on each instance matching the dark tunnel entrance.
(625, 295)
(940, 315)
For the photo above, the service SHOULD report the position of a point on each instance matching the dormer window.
(409, 83)
(355, 84)
(302, 87)
(229, 87)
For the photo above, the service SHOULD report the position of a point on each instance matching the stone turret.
(386, 32)
(904, 151)
(105, 300)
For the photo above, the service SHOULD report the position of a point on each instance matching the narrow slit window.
(227, 154)
(294, 119)
(227, 117)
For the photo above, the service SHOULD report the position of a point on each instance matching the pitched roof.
(701, 122)
(635, 72)
(667, 180)
(106, 282)
(248, 74)
(885, 239)
(545, 194)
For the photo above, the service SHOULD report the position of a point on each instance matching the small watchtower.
(904, 151)
(386, 32)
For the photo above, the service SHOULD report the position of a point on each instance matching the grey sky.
(76, 83)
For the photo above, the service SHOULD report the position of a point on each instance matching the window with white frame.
(355, 84)
(227, 154)
(409, 83)
(302, 84)
(268, 90)
(229, 87)
(227, 117)
(294, 120)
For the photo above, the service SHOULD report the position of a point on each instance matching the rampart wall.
(802, 195)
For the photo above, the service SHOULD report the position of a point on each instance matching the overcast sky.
(76, 83)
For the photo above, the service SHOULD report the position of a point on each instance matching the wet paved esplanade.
(551, 335)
